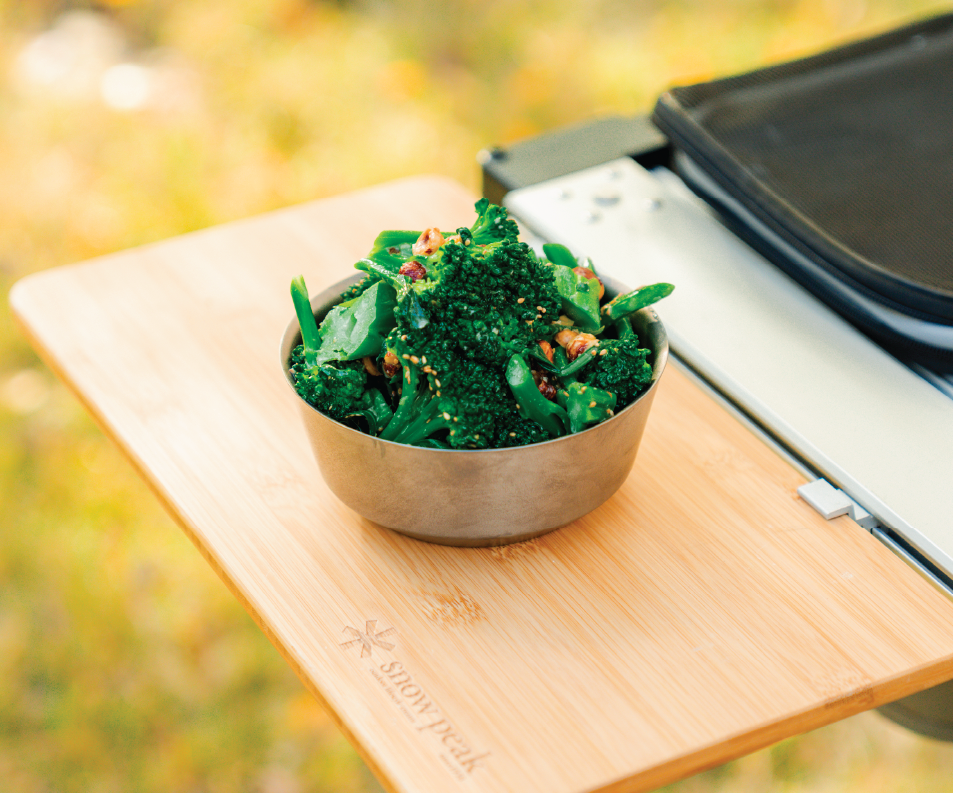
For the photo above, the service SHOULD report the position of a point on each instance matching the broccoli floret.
(621, 366)
(492, 224)
(335, 388)
(460, 408)
(515, 430)
(490, 300)
(358, 289)
(352, 330)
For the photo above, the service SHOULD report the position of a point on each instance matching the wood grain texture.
(703, 612)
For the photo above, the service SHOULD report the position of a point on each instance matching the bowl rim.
(318, 299)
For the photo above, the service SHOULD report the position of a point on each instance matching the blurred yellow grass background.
(125, 665)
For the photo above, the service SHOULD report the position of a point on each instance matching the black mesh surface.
(849, 152)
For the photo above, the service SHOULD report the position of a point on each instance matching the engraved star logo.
(369, 638)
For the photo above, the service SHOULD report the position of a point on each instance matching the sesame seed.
(437, 383)
(609, 411)
(455, 418)
(517, 405)
(583, 390)
(592, 404)
(405, 356)
(414, 359)
(476, 437)
(446, 416)
(521, 300)
(423, 359)
(404, 337)
(512, 434)
(540, 309)
(603, 352)
(438, 393)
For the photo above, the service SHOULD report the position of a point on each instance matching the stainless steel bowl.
(479, 497)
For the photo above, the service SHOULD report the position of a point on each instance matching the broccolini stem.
(309, 326)
(623, 328)
(404, 412)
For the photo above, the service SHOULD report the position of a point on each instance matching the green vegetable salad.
(472, 341)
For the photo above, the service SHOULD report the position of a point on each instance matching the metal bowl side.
(478, 497)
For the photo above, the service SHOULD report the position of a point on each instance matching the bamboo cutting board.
(702, 613)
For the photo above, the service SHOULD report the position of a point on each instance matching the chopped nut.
(428, 242)
(576, 343)
(547, 349)
(564, 337)
(546, 388)
(391, 364)
(413, 269)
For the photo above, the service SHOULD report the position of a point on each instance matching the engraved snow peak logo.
(410, 697)
(369, 638)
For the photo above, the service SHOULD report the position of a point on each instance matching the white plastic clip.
(833, 503)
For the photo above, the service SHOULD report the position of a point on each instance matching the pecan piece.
(414, 270)
(391, 364)
(546, 388)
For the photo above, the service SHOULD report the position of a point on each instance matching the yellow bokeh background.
(125, 663)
